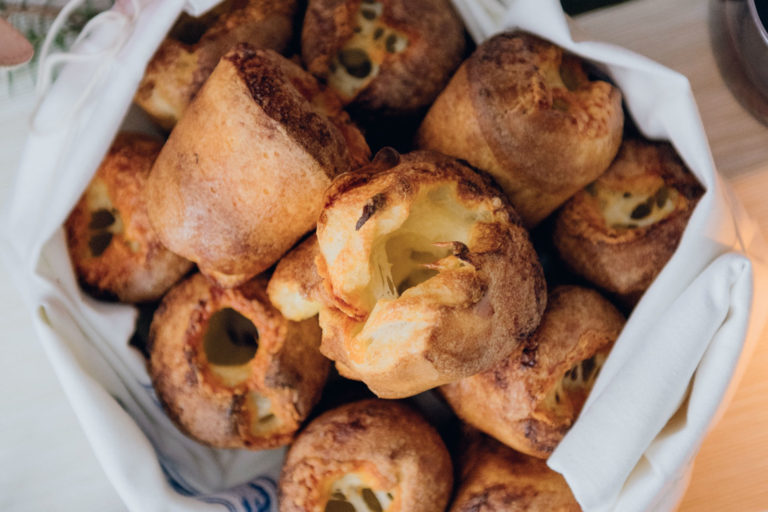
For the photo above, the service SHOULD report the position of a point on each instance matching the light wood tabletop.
(731, 471)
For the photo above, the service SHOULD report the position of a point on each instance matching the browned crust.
(131, 276)
(287, 368)
(397, 177)
(505, 113)
(282, 90)
(507, 401)
(388, 439)
(297, 271)
(408, 80)
(626, 261)
(495, 479)
(234, 188)
(499, 298)
(262, 23)
(300, 263)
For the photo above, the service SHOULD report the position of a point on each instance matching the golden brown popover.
(495, 478)
(532, 398)
(428, 274)
(242, 176)
(230, 371)
(525, 111)
(368, 456)
(114, 250)
(620, 230)
(194, 46)
(295, 286)
(388, 56)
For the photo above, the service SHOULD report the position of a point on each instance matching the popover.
(429, 275)
(530, 400)
(525, 111)
(194, 46)
(495, 478)
(367, 456)
(230, 371)
(386, 56)
(242, 176)
(114, 250)
(620, 230)
(295, 286)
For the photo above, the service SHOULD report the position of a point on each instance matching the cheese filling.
(230, 343)
(576, 383)
(628, 210)
(359, 60)
(351, 494)
(105, 221)
(409, 255)
(263, 419)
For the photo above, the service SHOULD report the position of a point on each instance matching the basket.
(656, 396)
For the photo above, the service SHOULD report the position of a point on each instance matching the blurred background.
(33, 18)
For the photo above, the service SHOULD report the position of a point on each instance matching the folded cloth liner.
(672, 365)
(652, 404)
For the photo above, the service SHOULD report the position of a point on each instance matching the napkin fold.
(152, 465)
(656, 395)
(631, 441)
(671, 368)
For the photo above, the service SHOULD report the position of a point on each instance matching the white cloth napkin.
(671, 367)
(152, 465)
(651, 405)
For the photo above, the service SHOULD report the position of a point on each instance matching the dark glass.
(762, 12)
(740, 45)
(573, 7)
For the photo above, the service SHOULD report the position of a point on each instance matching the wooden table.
(731, 471)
